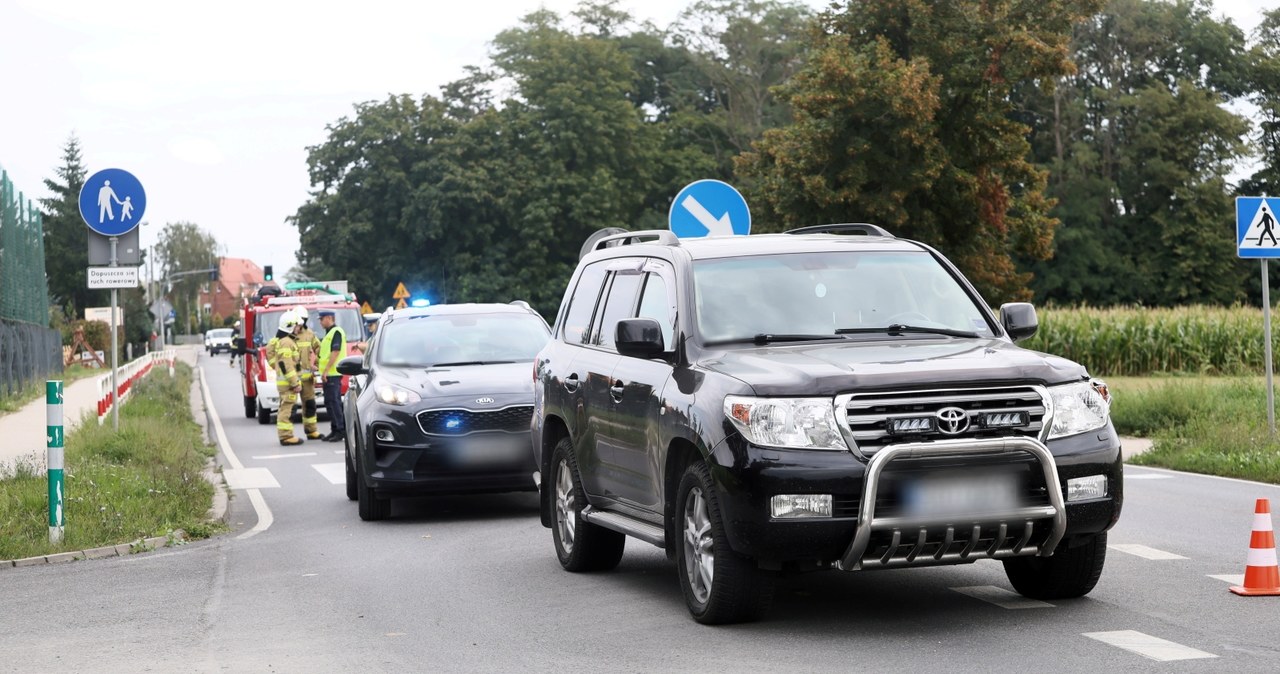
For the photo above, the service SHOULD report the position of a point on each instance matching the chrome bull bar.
(853, 558)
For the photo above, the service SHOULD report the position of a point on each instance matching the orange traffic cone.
(1261, 574)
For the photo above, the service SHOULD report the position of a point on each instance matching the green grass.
(1212, 425)
(145, 480)
(35, 390)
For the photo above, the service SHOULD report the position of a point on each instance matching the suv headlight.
(1078, 408)
(801, 423)
(394, 395)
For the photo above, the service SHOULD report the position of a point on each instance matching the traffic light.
(213, 274)
(267, 274)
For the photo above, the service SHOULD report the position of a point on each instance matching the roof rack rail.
(663, 237)
(844, 228)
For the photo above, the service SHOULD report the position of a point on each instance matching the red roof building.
(238, 278)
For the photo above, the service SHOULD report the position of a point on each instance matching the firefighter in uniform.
(282, 357)
(333, 348)
(308, 349)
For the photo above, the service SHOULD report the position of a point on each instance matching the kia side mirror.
(639, 338)
(352, 365)
(1019, 320)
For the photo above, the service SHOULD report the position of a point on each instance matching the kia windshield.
(461, 339)
(831, 296)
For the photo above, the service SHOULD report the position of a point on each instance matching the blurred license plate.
(481, 451)
(941, 496)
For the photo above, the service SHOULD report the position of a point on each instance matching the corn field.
(1136, 341)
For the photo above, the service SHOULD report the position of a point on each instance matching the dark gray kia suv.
(832, 397)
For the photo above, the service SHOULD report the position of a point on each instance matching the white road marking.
(339, 451)
(1148, 646)
(1001, 597)
(1233, 578)
(1147, 476)
(265, 518)
(284, 456)
(250, 478)
(333, 472)
(1143, 551)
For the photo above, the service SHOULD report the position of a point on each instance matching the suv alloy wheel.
(580, 545)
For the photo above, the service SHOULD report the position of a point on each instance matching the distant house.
(238, 278)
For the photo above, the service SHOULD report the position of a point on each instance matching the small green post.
(54, 460)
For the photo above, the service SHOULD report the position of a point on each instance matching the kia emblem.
(484, 401)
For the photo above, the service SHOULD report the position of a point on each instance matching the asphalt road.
(472, 584)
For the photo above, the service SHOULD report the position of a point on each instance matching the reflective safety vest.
(283, 357)
(307, 345)
(328, 361)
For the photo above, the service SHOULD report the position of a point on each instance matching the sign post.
(1256, 237)
(54, 455)
(102, 194)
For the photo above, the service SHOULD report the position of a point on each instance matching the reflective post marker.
(1266, 327)
(54, 457)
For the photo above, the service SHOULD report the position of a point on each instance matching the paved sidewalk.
(22, 433)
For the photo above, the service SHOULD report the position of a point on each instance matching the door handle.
(617, 390)
(571, 383)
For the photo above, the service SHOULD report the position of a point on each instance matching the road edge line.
(1212, 477)
(265, 518)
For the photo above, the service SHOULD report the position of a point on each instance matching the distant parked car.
(218, 340)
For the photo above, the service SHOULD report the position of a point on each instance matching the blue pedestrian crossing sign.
(112, 202)
(709, 208)
(1258, 226)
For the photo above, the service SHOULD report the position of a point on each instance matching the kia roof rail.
(861, 228)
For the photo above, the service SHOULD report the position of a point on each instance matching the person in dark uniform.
(333, 348)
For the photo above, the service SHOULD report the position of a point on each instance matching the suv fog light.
(1084, 488)
(790, 506)
(384, 435)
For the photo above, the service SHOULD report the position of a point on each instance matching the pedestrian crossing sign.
(1258, 227)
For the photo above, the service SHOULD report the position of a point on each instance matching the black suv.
(832, 397)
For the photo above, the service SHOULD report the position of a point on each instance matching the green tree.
(66, 237)
(184, 247)
(1264, 76)
(903, 116)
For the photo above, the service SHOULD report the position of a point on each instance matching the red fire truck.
(260, 318)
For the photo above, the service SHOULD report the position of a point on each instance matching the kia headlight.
(1078, 408)
(394, 395)
(800, 423)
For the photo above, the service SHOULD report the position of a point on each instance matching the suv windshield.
(822, 295)
(457, 339)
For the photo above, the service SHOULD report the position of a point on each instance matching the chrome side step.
(649, 533)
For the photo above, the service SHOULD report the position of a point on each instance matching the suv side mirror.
(639, 338)
(352, 365)
(1019, 320)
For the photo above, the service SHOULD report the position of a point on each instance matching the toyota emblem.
(484, 401)
(953, 420)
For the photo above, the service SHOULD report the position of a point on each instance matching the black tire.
(264, 414)
(580, 545)
(250, 407)
(353, 493)
(371, 507)
(1071, 572)
(738, 590)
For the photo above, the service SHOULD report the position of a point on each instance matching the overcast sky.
(212, 105)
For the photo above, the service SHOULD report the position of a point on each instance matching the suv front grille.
(878, 419)
(458, 422)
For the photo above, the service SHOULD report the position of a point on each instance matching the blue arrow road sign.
(112, 202)
(1257, 227)
(709, 208)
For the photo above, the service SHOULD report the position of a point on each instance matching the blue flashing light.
(420, 302)
(453, 423)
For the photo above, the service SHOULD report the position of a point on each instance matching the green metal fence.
(29, 350)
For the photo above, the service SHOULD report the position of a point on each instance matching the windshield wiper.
(899, 328)
(459, 363)
(764, 338)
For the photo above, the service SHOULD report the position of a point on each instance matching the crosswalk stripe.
(1233, 578)
(284, 456)
(1143, 551)
(1148, 646)
(1001, 597)
(335, 473)
(249, 478)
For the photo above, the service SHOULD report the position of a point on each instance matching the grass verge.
(35, 390)
(145, 480)
(1212, 425)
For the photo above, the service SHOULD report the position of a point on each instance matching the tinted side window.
(578, 319)
(621, 304)
(654, 303)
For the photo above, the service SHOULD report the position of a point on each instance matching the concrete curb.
(122, 550)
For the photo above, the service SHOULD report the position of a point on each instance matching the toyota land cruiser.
(832, 397)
